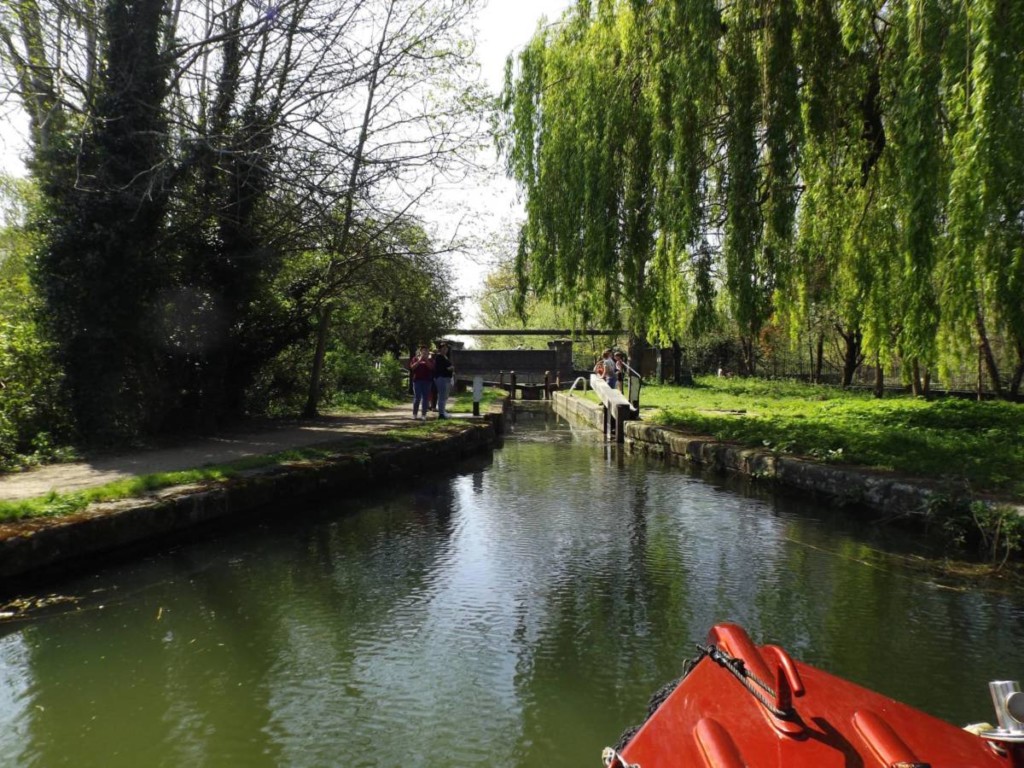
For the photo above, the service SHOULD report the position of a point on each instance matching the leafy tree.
(636, 172)
(398, 297)
(983, 279)
(748, 278)
(33, 419)
(917, 139)
(502, 308)
(843, 278)
(417, 303)
(578, 136)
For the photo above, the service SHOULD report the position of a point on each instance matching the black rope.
(656, 700)
(746, 677)
(736, 666)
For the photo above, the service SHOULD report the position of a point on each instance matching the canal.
(513, 612)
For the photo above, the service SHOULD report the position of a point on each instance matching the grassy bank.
(977, 445)
(463, 403)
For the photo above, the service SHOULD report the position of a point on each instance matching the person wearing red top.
(422, 370)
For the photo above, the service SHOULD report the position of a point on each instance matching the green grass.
(360, 402)
(976, 443)
(589, 395)
(424, 429)
(56, 504)
(463, 403)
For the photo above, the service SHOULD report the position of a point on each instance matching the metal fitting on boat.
(613, 759)
(1009, 703)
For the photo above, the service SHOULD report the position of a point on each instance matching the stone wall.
(577, 410)
(881, 493)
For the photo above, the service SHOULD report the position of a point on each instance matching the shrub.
(33, 419)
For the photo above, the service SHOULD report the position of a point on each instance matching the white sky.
(503, 26)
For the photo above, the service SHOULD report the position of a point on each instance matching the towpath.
(253, 439)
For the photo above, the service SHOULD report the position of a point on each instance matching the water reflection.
(514, 614)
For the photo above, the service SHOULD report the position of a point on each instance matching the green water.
(513, 614)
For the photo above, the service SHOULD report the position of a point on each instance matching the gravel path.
(253, 440)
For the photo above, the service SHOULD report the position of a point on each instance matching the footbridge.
(532, 374)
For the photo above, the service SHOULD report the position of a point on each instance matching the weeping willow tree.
(760, 146)
(685, 119)
(850, 168)
(581, 145)
(844, 273)
(918, 145)
(983, 279)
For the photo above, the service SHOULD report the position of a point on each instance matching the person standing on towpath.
(443, 373)
(422, 370)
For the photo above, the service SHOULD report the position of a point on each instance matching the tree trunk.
(313, 395)
(819, 358)
(981, 374)
(1018, 373)
(322, 332)
(879, 377)
(986, 349)
(748, 359)
(677, 363)
(873, 132)
(915, 378)
(853, 356)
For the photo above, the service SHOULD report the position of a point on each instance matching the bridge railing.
(537, 386)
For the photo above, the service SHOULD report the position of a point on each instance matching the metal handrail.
(634, 397)
(632, 370)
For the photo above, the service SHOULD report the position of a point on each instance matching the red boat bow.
(742, 705)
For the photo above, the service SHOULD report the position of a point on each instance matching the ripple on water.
(516, 615)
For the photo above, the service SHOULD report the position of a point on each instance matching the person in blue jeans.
(620, 369)
(608, 370)
(443, 374)
(421, 369)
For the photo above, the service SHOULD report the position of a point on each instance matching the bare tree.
(421, 120)
(288, 125)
